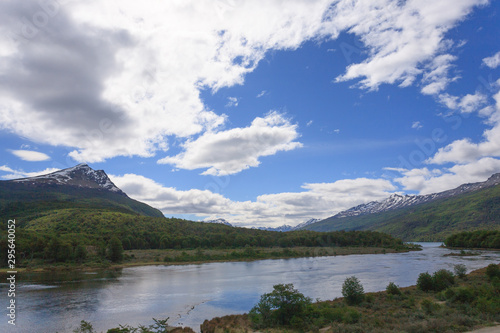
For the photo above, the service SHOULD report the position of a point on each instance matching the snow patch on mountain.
(397, 201)
(81, 175)
(219, 221)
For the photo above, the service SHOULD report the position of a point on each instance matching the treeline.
(486, 239)
(74, 235)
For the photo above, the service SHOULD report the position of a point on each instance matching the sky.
(261, 112)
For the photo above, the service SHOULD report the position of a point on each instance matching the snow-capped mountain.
(219, 221)
(286, 227)
(397, 201)
(305, 224)
(81, 176)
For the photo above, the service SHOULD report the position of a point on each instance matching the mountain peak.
(80, 175)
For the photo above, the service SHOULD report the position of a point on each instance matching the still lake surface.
(189, 294)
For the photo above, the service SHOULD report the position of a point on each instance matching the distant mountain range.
(410, 217)
(397, 201)
(424, 217)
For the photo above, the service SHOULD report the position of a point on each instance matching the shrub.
(429, 307)
(353, 291)
(392, 289)
(442, 279)
(460, 270)
(425, 282)
(350, 316)
(493, 271)
(280, 306)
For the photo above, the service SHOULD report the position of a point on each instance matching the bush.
(353, 291)
(460, 270)
(493, 271)
(442, 279)
(425, 282)
(429, 307)
(392, 289)
(279, 307)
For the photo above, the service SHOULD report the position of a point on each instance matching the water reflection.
(189, 294)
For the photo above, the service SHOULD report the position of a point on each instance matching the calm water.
(189, 294)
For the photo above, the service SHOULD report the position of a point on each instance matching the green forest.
(475, 239)
(79, 234)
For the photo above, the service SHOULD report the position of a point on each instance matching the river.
(189, 294)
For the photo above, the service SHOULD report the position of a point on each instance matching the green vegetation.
(440, 280)
(468, 304)
(281, 307)
(392, 289)
(475, 239)
(159, 326)
(353, 291)
(433, 221)
(77, 235)
(460, 270)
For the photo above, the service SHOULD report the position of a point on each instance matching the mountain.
(305, 224)
(397, 201)
(286, 227)
(424, 217)
(80, 176)
(218, 221)
(75, 187)
(281, 228)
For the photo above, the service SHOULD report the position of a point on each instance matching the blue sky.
(259, 112)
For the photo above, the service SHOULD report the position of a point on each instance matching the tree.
(280, 307)
(115, 249)
(424, 282)
(460, 270)
(353, 291)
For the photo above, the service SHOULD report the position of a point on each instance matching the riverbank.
(133, 258)
(471, 303)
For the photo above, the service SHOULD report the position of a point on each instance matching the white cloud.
(405, 39)
(118, 79)
(466, 104)
(436, 78)
(262, 93)
(232, 102)
(464, 150)
(427, 181)
(231, 151)
(416, 125)
(15, 174)
(30, 155)
(318, 200)
(493, 61)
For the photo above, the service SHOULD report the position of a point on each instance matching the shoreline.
(137, 258)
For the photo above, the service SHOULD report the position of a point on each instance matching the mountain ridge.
(78, 186)
(397, 201)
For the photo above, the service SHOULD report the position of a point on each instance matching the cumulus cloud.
(465, 150)
(493, 61)
(426, 181)
(15, 174)
(317, 200)
(30, 155)
(119, 79)
(231, 151)
(405, 39)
